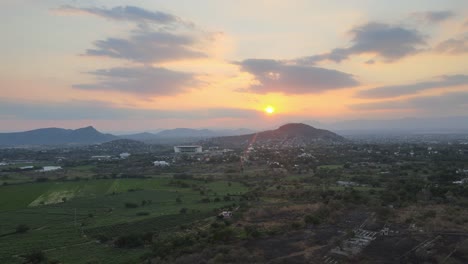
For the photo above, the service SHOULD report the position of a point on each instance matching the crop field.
(66, 218)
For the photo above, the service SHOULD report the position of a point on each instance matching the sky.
(144, 65)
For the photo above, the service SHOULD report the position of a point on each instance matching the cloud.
(141, 81)
(406, 89)
(147, 46)
(445, 103)
(276, 76)
(453, 46)
(391, 42)
(123, 13)
(433, 16)
(98, 110)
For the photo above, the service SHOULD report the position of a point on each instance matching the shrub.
(129, 241)
(312, 219)
(22, 228)
(131, 205)
(35, 257)
(142, 213)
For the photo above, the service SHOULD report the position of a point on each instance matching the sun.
(269, 109)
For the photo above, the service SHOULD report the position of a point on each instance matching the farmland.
(65, 218)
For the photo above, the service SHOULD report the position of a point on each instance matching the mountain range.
(301, 132)
(55, 136)
(89, 135)
(186, 133)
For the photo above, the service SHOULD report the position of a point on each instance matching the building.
(124, 155)
(51, 168)
(101, 157)
(225, 214)
(161, 163)
(188, 149)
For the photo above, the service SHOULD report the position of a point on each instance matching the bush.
(35, 257)
(142, 213)
(129, 241)
(131, 205)
(252, 231)
(22, 228)
(312, 219)
(102, 238)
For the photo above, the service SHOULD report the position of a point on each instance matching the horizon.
(147, 66)
(355, 125)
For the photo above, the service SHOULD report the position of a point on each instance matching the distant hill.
(55, 136)
(289, 134)
(184, 135)
(123, 145)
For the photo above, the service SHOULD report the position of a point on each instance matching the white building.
(101, 157)
(51, 168)
(124, 155)
(188, 149)
(161, 163)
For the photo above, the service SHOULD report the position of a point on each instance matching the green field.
(66, 217)
(331, 167)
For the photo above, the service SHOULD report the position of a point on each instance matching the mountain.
(186, 133)
(145, 136)
(55, 136)
(289, 134)
(178, 135)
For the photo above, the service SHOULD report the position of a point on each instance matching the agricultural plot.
(66, 218)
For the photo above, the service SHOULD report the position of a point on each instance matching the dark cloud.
(124, 13)
(391, 42)
(147, 46)
(141, 81)
(406, 89)
(433, 16)
(277, 76)
(98, 110)
(453, 46)
(445, 103)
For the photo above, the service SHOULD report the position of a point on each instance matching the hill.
(289, 134)
(184, 135)
(55, 136)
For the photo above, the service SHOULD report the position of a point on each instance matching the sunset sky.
(143, 65)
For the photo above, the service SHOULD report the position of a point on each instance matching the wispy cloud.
(390, 42)
(99, 110)
(141, 81)
(444, 81)
(446, 103)
(433, 16)
(122, 13)
(147, 46)
(453, 45)
(276, 76)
